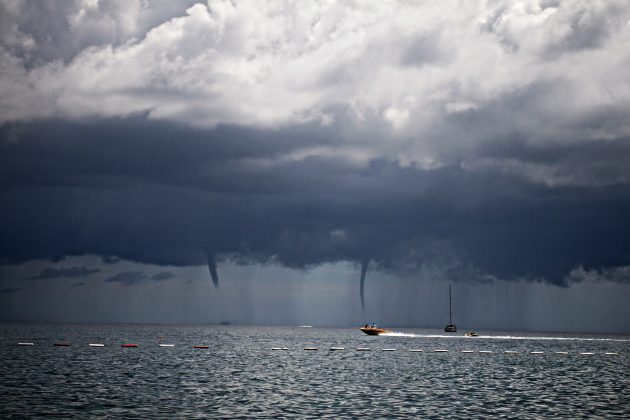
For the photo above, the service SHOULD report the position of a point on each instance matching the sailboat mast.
(450, 312)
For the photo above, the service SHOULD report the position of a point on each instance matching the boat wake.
(515, 337)
(504, 337)
(399, 334)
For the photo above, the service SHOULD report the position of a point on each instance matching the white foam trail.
(503, 337)
(399, 334)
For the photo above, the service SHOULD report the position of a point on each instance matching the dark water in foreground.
(239, 375)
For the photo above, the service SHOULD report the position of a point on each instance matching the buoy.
(511, 352)
(440, 351)
(285, 348)
(485, 351)
(536, 352)
(416, 350)
(96, 345)
(311, 348)
(336, 348)
(363, 349)
(128, 345)
(25, 344)
(612, 354)
(389, 349)
(62, 344)
(166, 345)
(587, 353)
(467, 351)
(562, 352)
(200, 347)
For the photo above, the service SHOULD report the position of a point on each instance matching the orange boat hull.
(374, 331)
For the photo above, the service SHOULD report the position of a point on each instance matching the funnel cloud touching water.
(481, 142)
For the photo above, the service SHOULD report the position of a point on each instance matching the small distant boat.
(450, 327)
(306, 326)
(373, 330)
(471, 334)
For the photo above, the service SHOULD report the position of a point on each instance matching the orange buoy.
(200, 347)
(128, 345)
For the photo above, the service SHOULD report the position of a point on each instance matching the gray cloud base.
(66, 272)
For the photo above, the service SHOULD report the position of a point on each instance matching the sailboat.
(450, 327)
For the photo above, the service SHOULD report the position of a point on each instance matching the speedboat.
(373, 330)
(471, 334)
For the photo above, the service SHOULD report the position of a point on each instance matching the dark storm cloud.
(54, 273)
(165, 194)
(127, 278)
(487, 139)
(10, 290)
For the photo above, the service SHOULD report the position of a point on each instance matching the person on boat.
(366, 326)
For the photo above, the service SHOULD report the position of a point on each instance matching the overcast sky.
(289, 152)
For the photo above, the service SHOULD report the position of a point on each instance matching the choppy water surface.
(239, 375)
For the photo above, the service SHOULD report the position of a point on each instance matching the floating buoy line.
(340, 349)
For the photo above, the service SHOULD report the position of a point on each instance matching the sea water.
(242, 374)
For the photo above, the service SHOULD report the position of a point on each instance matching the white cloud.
(406, 73)
(619, 274)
